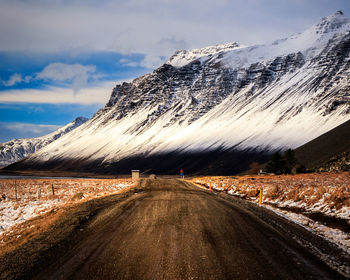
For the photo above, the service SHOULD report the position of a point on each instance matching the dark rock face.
(333, 66)
(208, 83)
(204, 84)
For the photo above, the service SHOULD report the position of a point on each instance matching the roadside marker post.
(39, 193)
(260, 196)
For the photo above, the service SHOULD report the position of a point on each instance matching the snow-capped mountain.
(17, 149)
(183, 57)
(226, 101)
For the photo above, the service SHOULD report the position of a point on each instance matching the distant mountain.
(17, 149)
(329, 151)
(216, 109)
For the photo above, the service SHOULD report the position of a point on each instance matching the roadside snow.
(28, 205)
(290, 196)
(12, 213)
(335, 235)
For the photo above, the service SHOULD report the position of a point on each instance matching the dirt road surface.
(170, 229)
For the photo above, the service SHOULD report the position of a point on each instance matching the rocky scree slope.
(216, 109)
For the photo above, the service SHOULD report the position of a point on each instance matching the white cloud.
(99, 94)
(129, 62)
(155, 57)
(14, 79)
(77, 74)
(12, 130)
(151, 61)
(155, 27)
(33, 129)
(27, 79)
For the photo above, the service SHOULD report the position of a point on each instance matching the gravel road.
(170, 229)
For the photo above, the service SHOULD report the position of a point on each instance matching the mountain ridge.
(16, 149)
(237, 99)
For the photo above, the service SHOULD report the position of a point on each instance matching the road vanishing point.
(171, 229)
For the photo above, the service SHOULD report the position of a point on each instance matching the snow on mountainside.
(222, 98)
(183, 57)
(17, 149)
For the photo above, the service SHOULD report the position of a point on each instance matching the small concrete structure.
(135, 174)
(153, 176)
(261, 172)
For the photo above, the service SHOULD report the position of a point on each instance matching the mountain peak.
(333, 22)
(80, 120)
(339, 13)
(183, 57)
(333, 17)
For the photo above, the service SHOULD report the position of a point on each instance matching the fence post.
(39, 193)
(16, 190)
(53, 190)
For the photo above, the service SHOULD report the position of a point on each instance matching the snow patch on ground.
(67, 191)
(335, 235)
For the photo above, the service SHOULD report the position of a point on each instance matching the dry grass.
(27, 189)
(328, 190)
(23, 232)
(35, 197)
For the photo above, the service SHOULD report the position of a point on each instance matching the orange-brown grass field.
(327, 192)
(318, 201)
(24, 199)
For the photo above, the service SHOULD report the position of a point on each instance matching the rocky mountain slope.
(17, 149)
(216, 109)
(338, 163)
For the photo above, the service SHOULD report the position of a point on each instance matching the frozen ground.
(35, 197)
(297, 197)
(340, 237)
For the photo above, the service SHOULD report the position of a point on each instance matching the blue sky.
(59, 59)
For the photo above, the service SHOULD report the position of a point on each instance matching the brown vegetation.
(64, 189)
(328, 190)
(25, 199)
